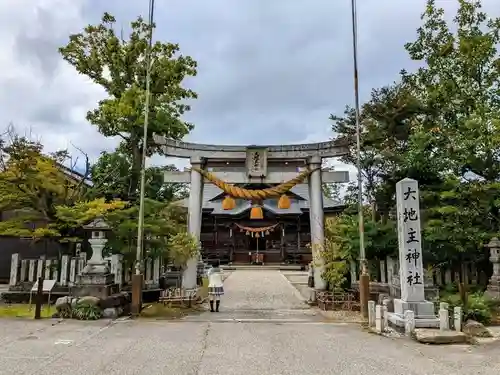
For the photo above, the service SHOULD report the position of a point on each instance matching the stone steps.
(265, 267)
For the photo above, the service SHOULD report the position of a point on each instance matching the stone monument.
(493, 289)
(411, 270)
(96, 279)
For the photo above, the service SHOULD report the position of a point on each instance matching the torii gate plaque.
(256, 160)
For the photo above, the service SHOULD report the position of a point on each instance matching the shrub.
(479, 307)
(87, 311)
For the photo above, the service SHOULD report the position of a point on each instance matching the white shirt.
(214, 278)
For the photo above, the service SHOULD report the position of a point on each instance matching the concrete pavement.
(263, 328)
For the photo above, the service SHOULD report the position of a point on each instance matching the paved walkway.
(266, 346)
(259, 296)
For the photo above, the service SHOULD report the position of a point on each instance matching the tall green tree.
(119, 66)
(111, 178)
(459, 85)
(38, 198)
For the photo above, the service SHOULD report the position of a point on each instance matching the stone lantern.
(95, 279)
(493, 289)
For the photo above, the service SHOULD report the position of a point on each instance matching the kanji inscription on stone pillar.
(410, 241)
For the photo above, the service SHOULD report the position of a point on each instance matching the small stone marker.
(409, 322)
(379, 320)
(444, 319)
(371, 313)
(457, 318)
(385, 312)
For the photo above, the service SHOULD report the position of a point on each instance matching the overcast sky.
(270, 71)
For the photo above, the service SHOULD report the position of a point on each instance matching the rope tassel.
(284, 202)
(256, 213)
(228, 203)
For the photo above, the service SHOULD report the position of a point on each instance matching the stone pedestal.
(96, 279)
(493, 289)
(423, 313)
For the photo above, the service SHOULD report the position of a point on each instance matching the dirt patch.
(160, 311)
(341, 316)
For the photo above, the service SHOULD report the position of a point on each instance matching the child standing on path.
(215, 286)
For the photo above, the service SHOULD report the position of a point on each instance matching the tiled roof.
(302, 202)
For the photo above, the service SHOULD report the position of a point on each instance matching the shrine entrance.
(255, 180)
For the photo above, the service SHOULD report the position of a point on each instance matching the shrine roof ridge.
(187, 149)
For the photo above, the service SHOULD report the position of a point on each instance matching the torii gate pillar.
(194, 220)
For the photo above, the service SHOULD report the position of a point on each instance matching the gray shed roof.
(212, 199)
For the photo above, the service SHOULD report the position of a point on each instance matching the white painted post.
(39, 268)
(72, 271)
(64, 270)
(383, 276)
(24, 269)
(444, 322)
(409, 317)
(371, 313)
(457, 318)
(14, 269)
(31, 271)
(48, 269)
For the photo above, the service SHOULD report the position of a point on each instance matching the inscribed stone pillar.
(411, 268)
(410, 245)
(317, 220)
(194, 221)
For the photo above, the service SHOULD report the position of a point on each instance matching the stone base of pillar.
(189, 276)
(100, 285)
(319, 282)
(423, 312)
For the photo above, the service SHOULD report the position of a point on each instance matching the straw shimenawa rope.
(256, 195)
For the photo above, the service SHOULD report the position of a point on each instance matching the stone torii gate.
(254, 164)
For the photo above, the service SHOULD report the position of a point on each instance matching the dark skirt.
(215, 291)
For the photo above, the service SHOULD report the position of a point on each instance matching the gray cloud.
(269, 71)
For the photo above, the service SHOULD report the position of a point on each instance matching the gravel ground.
(263, 328)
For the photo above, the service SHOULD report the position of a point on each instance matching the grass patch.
(24, 311)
